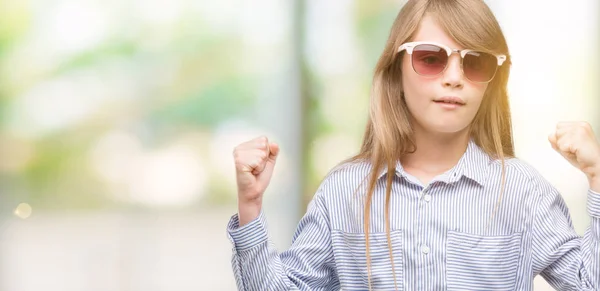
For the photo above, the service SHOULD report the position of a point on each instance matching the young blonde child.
(435, 199)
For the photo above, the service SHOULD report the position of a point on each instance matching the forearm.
(591, 240)
(256, 263)
(305, 265)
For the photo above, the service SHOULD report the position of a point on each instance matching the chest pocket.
(350, 257)
(476, 262)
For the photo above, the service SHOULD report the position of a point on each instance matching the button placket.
(427, 198)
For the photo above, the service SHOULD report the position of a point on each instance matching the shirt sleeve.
(566, 260)
(306, 265)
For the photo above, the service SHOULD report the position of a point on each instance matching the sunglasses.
(431, 59)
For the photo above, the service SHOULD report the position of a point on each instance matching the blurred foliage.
(217, 103)
(206, 87)
(372, 22)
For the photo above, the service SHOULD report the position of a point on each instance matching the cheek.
(413, 93)
(416, 89)
(480, 88)
(478, 91)
(412, 83)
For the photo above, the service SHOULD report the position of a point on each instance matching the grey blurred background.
(118, 120)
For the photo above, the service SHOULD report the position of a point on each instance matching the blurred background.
(118, 120)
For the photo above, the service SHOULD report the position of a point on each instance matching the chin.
(438, 124)
(448, 128)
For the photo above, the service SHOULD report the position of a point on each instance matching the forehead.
(430, 30)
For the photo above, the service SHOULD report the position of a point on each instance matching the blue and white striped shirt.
(440, 234)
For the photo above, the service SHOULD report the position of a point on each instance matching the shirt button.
(427, 198)
(425, 249)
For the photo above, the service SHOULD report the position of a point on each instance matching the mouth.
(450, 100)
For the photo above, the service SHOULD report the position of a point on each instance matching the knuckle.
(262, 155)
(262, 142)
(585, 125)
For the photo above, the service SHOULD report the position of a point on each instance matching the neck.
(436, 153)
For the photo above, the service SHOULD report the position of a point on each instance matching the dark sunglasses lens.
(480, 66)
(429, 60)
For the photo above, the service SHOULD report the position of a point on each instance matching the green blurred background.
(118, 120)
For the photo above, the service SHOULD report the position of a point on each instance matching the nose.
(453, 75)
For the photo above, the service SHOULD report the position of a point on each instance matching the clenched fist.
(254, 163)
(576, 142)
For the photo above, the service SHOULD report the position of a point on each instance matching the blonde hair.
(389, 135)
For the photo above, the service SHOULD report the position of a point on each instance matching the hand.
(576, 142)
(254, 163)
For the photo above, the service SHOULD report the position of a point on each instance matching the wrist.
(595, 173)
(594, 179)
(595, 184)
(248, 211)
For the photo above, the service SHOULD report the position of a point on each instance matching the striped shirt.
(441, 234)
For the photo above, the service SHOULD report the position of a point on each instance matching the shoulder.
(520, 170)
(344, 179)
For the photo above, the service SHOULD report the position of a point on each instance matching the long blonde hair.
(389, 136)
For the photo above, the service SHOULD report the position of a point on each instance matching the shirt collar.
(474, 165)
